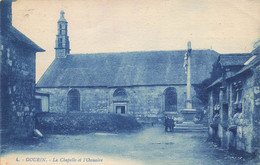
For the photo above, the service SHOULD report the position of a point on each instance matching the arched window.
(170, 99)
(73, 100)
(120, 92)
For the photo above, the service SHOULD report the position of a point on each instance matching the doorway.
(120, 109)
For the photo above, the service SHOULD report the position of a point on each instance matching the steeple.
(62, 48)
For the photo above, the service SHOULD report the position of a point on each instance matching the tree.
(201, 89)
(256, 43)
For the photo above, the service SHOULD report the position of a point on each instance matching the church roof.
(127, 69)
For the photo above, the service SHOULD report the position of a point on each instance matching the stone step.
(190, 127)
(181, 130)
(186, 125)
(182, 125)
(187, 129)
(190, 123)
(190, 130)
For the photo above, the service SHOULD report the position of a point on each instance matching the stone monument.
(188, 113)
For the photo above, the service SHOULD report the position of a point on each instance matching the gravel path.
(149, 146)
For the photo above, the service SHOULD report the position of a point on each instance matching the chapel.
(144, 84)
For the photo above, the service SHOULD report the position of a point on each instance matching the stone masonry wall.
(256, 113)
(142, 101)
(242, 129)
(18, 82)
(149, 102)
(245, 124)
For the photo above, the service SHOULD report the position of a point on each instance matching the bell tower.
(62, 46)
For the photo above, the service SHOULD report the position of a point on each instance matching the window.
(120, 92)
(66, 30)
(60, 42)
(60, 29)
(73, 100)
(237, 99)
(170, 99)
(225, 113)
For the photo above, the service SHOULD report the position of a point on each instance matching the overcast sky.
(226, 26)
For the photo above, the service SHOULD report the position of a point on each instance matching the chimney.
(6, 14)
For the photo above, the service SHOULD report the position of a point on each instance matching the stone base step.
(190, 131)
(181, 125)
(190, 127)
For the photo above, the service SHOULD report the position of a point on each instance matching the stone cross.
(188, 101)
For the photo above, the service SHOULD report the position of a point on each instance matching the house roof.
(216, 82)
(127, 69)
(234, 59)
(17, 36)
(251, 64)
(41, 94)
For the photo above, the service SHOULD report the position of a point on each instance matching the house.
(17, 53)
(234, 103)
(142, 84)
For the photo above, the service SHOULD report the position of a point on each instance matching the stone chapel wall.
(140, 101)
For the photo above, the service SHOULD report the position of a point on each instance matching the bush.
(70, 123)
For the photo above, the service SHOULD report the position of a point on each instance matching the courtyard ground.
(151, 146)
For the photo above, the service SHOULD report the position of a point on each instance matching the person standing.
(166, 124)
(172, 124)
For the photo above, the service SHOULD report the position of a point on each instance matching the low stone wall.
(70, 123)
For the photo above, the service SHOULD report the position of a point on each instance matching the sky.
(226, 26)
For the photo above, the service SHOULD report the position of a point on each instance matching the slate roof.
(216, 82)
(17, 36)
(127, 69)
(248, 64)
(251, 64)
(234, 59)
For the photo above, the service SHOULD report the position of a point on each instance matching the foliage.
(256, 43)
(201, 89)
(70, 123)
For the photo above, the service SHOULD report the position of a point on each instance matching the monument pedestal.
(188, 114)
